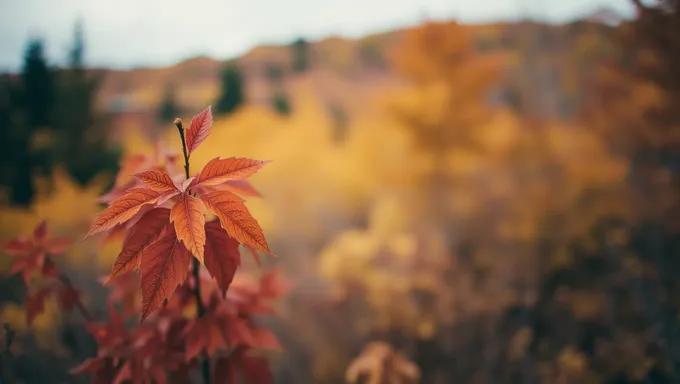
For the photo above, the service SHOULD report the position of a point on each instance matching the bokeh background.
(490, 189)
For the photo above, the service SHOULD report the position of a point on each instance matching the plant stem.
(195, 264)
(79, 304)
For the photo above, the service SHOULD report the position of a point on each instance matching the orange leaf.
(217, 171)
(236, 219)
(159, 181)
(242, 187)
(189, 223)
(221, 255)
(199, 129)
(165, 264)
(141, 234)
(123, 209)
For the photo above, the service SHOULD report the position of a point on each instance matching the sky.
(131, 33)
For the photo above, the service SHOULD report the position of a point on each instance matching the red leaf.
(35, 304)
(265, 339)
(159, 181)
(165, 264)
(242, 187)
(29, 264)
(255, 370)
(218, 171)
(69, 297)
(123, 209)
(236, 219)
(19, 246)
(203, 334)
(141, 234)
(49, 268)
(40, 231)
(224, 371)
(58, 246)
(189, 222)
(221, 255)
(90, 365)
(199, 129)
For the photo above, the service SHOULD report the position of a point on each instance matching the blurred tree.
(281, 103)
(168, 109)
(232, 92)
(38, 85)
(16, 162)
(300, 55)
(81, 140)
(26, 109)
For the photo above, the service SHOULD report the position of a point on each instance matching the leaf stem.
(195, 264)
(79, 304)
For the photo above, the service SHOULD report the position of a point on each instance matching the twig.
(79, 304)
(195, 265)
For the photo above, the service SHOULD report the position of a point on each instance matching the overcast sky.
(128, 33)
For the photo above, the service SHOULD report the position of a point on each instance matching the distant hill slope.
(551, 60)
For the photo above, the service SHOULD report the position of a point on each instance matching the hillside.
(346, 73)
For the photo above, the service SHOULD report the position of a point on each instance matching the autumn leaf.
(69, 297)
(40, 231)
(164, 266)
(141, 234)
(203, 334)
(49, 269)
(255, 369)
(18, 246)
(221, 255)
(265, 339)
(159, 181)
(217, 171)
(225, 371)
(123, 209)
(189, 222)
(236, 219)
(242, 187)
(199, 129)
(35, 303)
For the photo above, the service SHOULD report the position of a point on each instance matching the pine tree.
(300, 55)
(82, 133)
(168, 109)
(38, 85)
(232, 93)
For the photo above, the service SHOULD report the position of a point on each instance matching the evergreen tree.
(82, 143)
(168, 109)
(38, 85)
(300, 55)
(25, 108)
(232, 93)
(281, 103)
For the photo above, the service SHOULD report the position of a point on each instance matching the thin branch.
(196, 265)
(79, 304)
